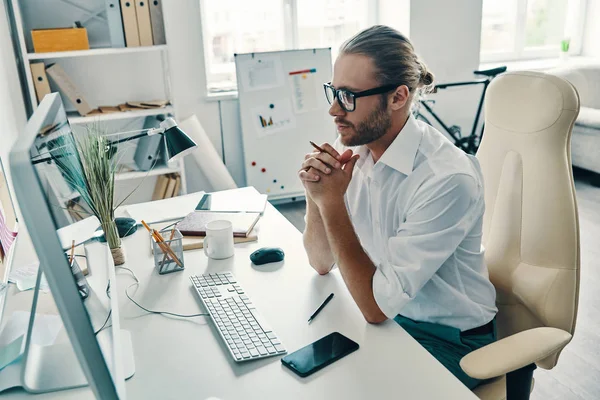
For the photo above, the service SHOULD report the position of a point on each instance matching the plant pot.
(118, 255)
(114, 241)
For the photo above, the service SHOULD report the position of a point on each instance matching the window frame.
(520, 53)
(291, 39)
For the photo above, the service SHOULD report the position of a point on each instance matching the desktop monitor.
(100, 360)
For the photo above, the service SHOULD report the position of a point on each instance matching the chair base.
(518, 383)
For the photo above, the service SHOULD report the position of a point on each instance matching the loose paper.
(261, 73)
(304, 90)
(24, 276)
(273, 118)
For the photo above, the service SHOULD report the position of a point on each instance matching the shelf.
(141, 174)
(76, 119)
(96, 52)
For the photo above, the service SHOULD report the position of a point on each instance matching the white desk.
(185, 359)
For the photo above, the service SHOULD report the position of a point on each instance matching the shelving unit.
(96, 52)
(119, 77)
(76, 119)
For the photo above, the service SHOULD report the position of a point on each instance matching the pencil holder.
(168, 255)
(82, 285)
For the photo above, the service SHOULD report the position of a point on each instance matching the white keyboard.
(246, 333)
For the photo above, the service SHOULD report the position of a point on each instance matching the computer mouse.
(267, 255)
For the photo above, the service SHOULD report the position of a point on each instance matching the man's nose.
(336, 110)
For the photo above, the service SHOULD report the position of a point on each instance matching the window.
(233, 26)
(529, 29)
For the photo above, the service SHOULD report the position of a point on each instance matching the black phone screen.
(319, 354)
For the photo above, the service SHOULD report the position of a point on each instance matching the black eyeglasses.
(347, 99)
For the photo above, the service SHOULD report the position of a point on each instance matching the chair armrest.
(514, 352)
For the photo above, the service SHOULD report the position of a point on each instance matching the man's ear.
(400, 97)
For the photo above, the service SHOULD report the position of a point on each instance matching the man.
(397, 207)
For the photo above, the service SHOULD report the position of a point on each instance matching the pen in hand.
(327, 300)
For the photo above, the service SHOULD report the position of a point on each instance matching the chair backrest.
(531, 226)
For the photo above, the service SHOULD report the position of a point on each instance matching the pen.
(317, 147)
(327, 300)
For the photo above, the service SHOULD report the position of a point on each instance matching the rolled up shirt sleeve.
(439, 218)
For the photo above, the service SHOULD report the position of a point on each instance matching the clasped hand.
(326, 175)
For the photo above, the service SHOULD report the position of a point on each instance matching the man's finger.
(349, 166)
(329, 149)
(308, 177)
(317, 165)
(329, 160)
(345, 157)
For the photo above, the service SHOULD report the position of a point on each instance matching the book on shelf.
(167, 186)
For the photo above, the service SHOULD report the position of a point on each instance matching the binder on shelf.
(69, 89)
(142, 11)
(115, 23)
(132, 36)
(40, 80)
(158, 23)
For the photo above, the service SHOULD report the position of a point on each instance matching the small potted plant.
(564, 48)
(88, 167)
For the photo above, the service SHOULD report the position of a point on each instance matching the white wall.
(12, 110)
(447, 35)
(591, 35)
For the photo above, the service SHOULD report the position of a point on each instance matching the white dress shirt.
(418, 213)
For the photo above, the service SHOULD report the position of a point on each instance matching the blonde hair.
(394, 57)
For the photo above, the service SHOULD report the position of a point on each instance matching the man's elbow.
(375, 317)
(321, 268)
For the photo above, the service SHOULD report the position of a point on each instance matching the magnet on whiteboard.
(253, 163)
(263, 170)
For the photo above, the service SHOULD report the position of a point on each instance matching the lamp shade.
(178, 143)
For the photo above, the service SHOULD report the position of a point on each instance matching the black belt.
(480, 330)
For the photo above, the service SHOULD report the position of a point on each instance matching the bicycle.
(469, 144)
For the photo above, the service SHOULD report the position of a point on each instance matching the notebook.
(245, 199)
(194, 224)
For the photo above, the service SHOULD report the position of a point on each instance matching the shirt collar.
(401, 153)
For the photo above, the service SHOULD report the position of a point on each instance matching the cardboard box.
(59, 39)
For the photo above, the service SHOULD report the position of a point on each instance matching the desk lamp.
(178, 145)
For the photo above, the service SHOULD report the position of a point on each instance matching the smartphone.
(319, 354)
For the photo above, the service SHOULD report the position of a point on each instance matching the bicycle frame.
(466, 143)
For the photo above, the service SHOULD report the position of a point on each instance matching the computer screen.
(43, 196)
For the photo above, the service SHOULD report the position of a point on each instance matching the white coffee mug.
(218, 243)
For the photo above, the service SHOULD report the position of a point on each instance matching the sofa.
(585, 142)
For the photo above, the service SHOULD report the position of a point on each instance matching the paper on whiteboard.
(304, 90)
(261, 73)
(274, 117)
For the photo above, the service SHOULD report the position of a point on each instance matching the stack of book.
(167, 186)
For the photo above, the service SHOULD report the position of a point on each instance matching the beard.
(372, 128)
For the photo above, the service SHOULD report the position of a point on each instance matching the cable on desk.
(109, 312)
(137, 282)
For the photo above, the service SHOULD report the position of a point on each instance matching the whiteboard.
(282, 108)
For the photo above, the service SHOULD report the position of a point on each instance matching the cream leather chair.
(530, 231)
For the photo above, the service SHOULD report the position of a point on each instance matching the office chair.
(530, 230)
